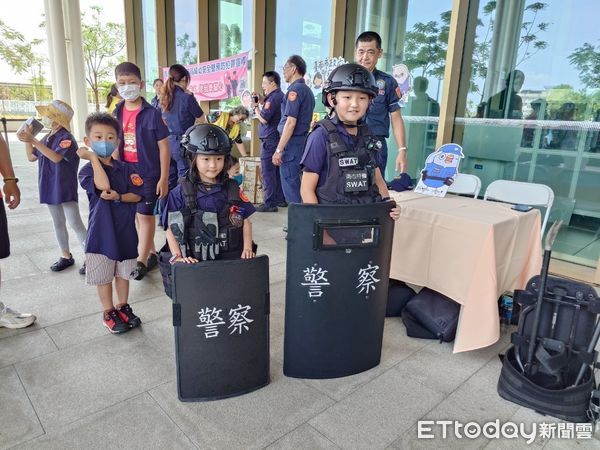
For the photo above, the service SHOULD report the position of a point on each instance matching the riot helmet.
(206, 139)
(349, 77)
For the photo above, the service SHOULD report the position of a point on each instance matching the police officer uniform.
(345, 163)
(378, 115)
(269, 138)
(183, 113)
(299, 103)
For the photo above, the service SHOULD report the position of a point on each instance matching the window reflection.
(186, 31)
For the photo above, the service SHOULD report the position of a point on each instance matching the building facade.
(512, 81)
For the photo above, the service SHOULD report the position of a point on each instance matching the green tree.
(230, 40)
(17, 51)
(425, 46)
(587, 61)
(103, 44)
(189, 55)
(529, 42)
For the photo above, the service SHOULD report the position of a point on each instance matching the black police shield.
(336, 290)
(221, 328)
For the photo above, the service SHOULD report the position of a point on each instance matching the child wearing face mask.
(113, 188)
(57, 162)
(144, 145)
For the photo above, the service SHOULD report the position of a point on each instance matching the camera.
(255, 98)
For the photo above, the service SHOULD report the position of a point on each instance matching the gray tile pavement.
(66, 383)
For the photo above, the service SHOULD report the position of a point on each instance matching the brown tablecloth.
(469, 250)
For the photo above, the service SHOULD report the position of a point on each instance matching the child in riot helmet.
(206, 215)
(114, 188)
(350, 176)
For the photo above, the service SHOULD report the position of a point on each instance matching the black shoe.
(265, 208)
(140, 271)
(62, 264)
(82, 270)
(152, 261)
(128, 317)
(112, 320)
(282, 204)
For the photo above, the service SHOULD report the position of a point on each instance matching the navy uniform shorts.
(147, 204)
(4, 242)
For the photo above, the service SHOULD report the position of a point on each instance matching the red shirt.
(130, 146)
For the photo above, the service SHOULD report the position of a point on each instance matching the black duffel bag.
(399, 295)
(431, 315)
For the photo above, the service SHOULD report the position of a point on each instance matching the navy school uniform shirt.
(149, 129)
(58, 181)
(208, 201)
(183, 113)
(111, 225)
(299, 103)
(315, 157)
(386, 102)
(271, 112)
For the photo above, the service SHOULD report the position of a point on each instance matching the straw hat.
(59, 112)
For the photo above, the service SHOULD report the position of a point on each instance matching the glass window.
(529, 108)
(414, 51)
(150, 50)
(186, 31)
(302, 29)
(235, 36)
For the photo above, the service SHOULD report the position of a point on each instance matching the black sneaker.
(112, 320)
(282, 204)
(128, 317)
(152, 262)
(265, 208)
(62, 264)
(140, 271)
(82, 270)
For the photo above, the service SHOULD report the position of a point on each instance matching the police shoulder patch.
(65, 143)
(244, 197)
(267, 105)
(292, 96)
(136, 180)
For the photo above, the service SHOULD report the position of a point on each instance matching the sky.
(17, 17)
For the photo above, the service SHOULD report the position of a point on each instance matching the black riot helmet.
(206, 139)
(349, 77)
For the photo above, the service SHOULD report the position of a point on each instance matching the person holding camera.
(269, 116)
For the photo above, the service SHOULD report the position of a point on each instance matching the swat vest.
(200, 236)
(351, 171)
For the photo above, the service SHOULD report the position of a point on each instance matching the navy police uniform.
(378, 115)
(149, 129)
(269, 138)
(345, 163)
(182, 115)
(299, 103)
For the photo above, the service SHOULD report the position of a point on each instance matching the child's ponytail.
(177, 73)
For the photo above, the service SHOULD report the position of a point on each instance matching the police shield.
(221, 328)
(336, 290)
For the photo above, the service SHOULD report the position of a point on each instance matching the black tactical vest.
(230, 221)
(351, 171)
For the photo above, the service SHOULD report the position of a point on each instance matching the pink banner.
(219, 79)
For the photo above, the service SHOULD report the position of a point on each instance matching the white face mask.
(129, 92)
(47, 122)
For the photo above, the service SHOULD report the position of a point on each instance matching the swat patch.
(348, 162)
(356, 181)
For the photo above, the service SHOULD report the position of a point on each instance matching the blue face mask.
(103, 148)
(239, 178)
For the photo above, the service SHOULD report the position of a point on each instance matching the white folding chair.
(465, 184)
(515, 192)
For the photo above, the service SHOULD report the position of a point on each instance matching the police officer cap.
(349, 77)
(453, 149)
(206, 139)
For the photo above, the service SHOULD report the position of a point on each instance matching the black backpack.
(399, 295)
(431, 315)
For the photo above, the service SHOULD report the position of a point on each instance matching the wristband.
(15, 179)
(401, 148)
(174, 258)
(119, 199)
(278, 150)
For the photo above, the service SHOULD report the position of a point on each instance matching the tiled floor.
(66, 383)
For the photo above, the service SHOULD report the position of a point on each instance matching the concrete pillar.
(58, 53)
(74, 47)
